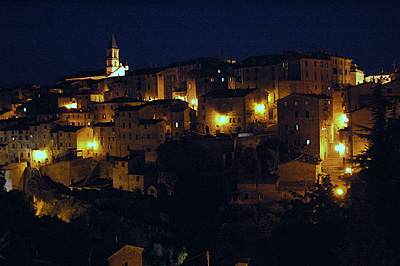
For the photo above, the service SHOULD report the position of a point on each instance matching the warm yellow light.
(340, 148)
(92, 145)
(349, 170)
(344, 119)
(39, 155)
(72, 105)
(222, 119)
(260, 108)
(193, 101)
(339, 191)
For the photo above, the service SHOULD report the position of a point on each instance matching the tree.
(374, 193)
(2, 181)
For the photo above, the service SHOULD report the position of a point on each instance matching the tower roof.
(112, 43)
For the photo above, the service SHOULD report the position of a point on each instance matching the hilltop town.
(191, 136)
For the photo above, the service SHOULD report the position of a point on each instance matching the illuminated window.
(296, 127)
(176, 124)
(308, 142)
(296, 103)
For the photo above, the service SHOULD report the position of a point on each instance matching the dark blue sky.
(41, 41)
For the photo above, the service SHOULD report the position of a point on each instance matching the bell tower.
(112, 56)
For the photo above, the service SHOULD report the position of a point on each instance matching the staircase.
(333, 166)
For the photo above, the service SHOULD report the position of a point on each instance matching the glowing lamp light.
(349, 170)
(222, 119)
(92, 145)
(39, 155)
(344, 119)
(193, 101)
(72, 105)
(340, 148)
(260, 107)
(339, 191)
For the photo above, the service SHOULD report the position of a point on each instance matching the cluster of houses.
(313, 102)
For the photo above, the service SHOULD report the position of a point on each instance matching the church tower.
(112, 56)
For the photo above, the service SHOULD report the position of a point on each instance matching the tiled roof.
(68, 128)
(104, 124)
(144, 71)
(130, 107)
(319, 96)
(228, 93)
(262, 60)
(121, 100)
(18, 127)
(149, 121)
(112, 43)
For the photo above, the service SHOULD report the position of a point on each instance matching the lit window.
(222, 79)
(308, 142)
(296, 127)
(176, 124)
(296, 103)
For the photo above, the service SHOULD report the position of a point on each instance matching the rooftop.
(228, 93)
(150, 121)
(68, 128)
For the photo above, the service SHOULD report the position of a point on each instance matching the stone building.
(284, 74)
(105, 111)
(356, 75)
(142, 84)
(305, 123)
(128, 255)
(233, 111)
(75, 141)
(131, 174)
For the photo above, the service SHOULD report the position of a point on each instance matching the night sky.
(41, 41)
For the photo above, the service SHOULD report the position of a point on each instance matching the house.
(75, 139)
(298, 175)
(127, 256)
(157, 190)
(131, 174)
(105, 111)
(233, 111)
(356, 75)
(145, 84)
(251, 189)
(176, 113)
(305, 123)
